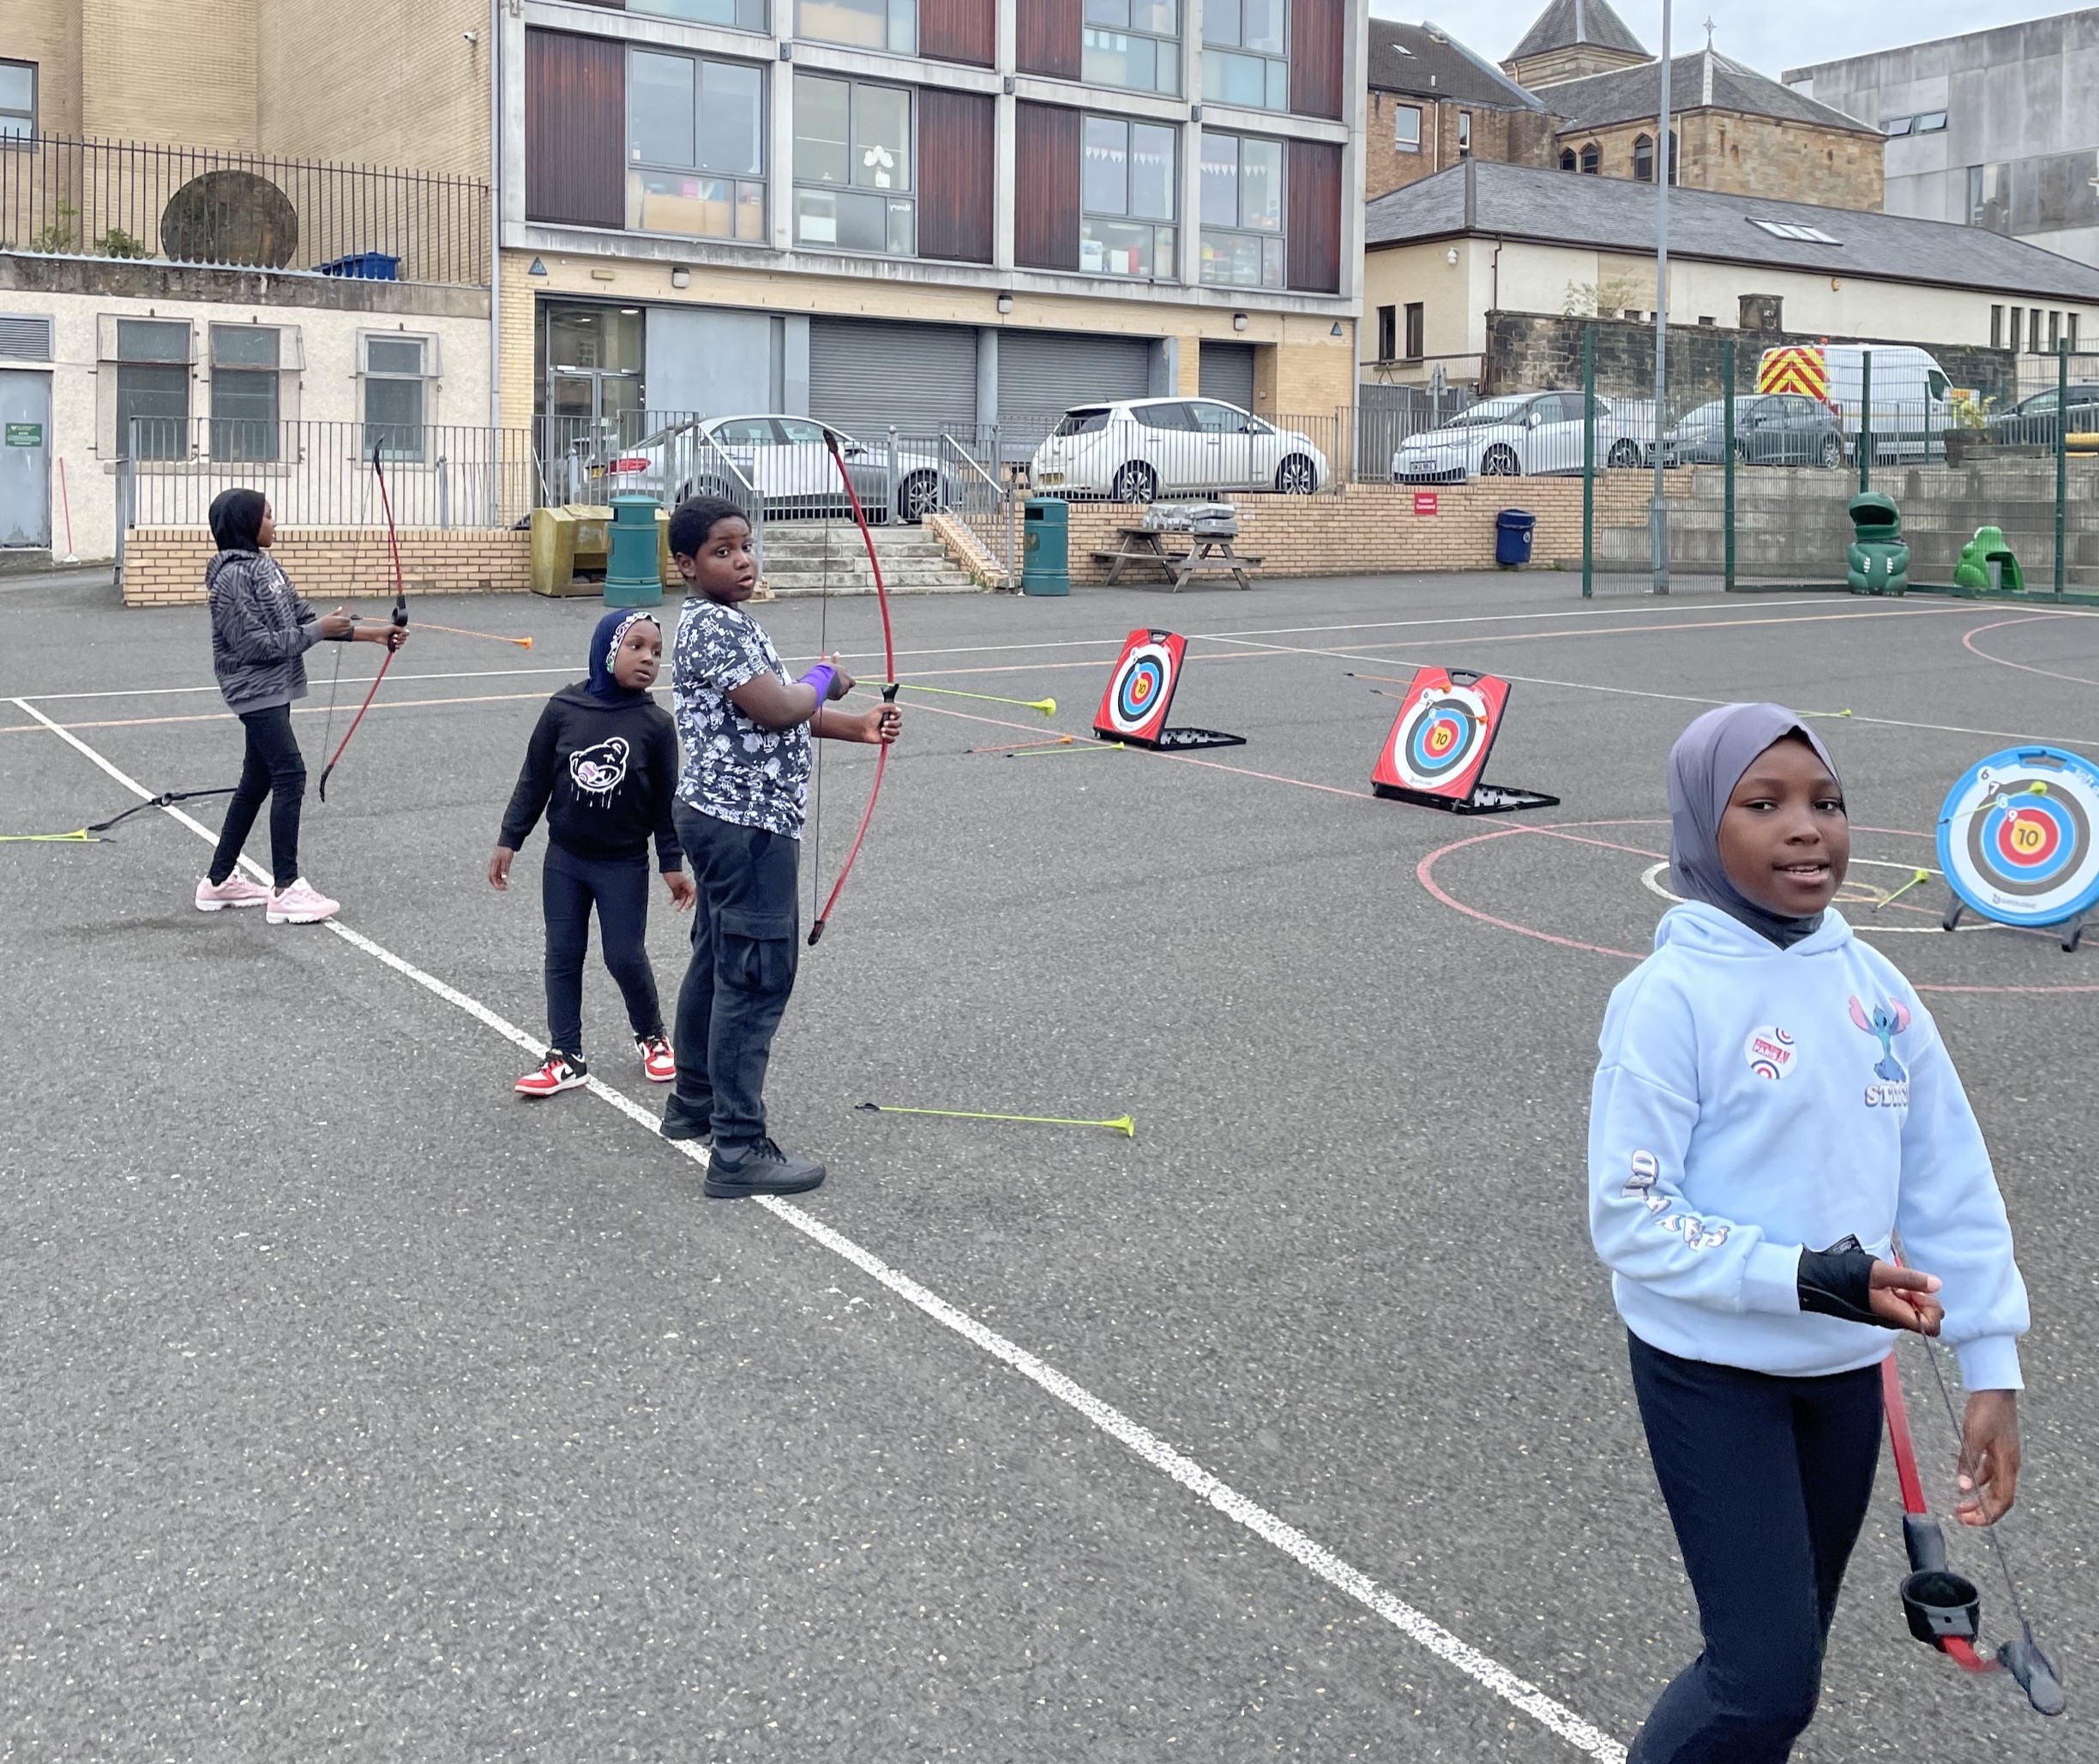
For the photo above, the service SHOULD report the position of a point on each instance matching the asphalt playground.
(354, 1407)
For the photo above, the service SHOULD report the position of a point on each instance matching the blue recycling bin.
(364, 266)
(1512, 537)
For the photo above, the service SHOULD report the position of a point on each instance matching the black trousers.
(272, 768)
(745, 943)
(1766, 1481)
(568, 887)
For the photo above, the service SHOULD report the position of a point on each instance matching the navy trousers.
(745, 945)
(1766, 1481)
(569, 886)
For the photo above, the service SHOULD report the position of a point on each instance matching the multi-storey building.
(928, 214)
(1433, 102)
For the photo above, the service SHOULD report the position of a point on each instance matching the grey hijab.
(1706, 765)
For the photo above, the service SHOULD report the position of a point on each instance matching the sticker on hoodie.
(1771, 1053)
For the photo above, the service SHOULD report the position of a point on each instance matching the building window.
(1406, 127)
(1932, 123)
(244, 392)
(18, 84)
(738, 15)
(1996, 326)
(852, 167)
(2054, 331)
(1593, 158)
(1796, 230)
(1258, 76)
(2018, 322)
(397, 372)
(1464, 135)
(1241, 211)
(1643, 157)
(153, 388)
(2033, 330)
(863, 24)
(694, 147)
(1895, 126)
(1388, 333)
(1415, 329)
(2070, 320)
(1131, 43)
(1568, 162)
(1126, 228)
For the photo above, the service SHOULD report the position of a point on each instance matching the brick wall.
(180, 71)
(418, 96)
(1508, 137)
(1372, 529)
(163, 566)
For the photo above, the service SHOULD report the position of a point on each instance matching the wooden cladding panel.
(959, 30)
(576, 127)
(958, 154)
(1045, 186)
(1317, 29)
(1312, 227)
(1047, 36)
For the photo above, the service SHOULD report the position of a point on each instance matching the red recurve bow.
(401, 622)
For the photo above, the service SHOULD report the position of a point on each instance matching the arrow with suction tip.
(1922, 876)
(1124, 1125)
(1046, 705)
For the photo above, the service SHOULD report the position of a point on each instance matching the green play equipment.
(1986, 562)
(1879, 560)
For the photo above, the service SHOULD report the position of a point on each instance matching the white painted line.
(1553, 1716)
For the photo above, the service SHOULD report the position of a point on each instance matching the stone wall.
(163, 566)
(1528, 351)
(1750, 155)
(1509, 137)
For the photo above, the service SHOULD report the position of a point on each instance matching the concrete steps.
(913, 562)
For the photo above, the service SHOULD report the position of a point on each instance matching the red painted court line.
(1968, 642)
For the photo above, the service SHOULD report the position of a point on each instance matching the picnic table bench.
(1204, 557)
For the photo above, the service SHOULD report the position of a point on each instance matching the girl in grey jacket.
(260, 632)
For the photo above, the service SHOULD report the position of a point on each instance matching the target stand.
(1439, 745)
(1133, 710)
(2016, 840)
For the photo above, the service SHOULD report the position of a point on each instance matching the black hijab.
(236, 519)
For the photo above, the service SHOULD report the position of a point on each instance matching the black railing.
(68, 195)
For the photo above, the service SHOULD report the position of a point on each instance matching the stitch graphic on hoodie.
(1885, 1021)
(599, 771)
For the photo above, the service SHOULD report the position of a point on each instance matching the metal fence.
(70, 195)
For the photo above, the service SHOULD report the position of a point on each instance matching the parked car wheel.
(1622, 454)
(1135, 482)
(1832, 452)
(919, 496)
(1296, 477)
(1500, 462)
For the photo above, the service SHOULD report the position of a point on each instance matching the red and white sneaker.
(234, 891)
(558, 1072)
(657, 1059)
(300, 903)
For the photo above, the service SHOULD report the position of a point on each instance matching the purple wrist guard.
(820, 676)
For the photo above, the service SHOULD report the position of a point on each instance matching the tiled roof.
(1565, 23)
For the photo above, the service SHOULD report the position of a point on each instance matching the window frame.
(425, 381)
(1278, 234)
(636, 170)
(228, 377)
(891, 11)
(184, 365)
(1593, 158)
(1568, 162)
(757, 23)
(1896, 128)
(9, 137)
(1464, 135)
(1168, 51)
(1275, 79)
(1387, 334)
(1415, 344)
(1415, 111)
(1997, 318)
(1932, 123)
(906, 194)
(1165, 253)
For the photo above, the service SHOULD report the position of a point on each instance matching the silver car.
(785, 461)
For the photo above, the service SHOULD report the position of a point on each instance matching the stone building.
(1434, 102)
(1572, 39)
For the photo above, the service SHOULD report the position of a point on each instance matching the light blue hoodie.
(1755, 1101)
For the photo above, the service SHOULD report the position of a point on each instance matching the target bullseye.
(2016, 837)
(1141, 687)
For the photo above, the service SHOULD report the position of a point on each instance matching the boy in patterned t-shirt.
(741, 801)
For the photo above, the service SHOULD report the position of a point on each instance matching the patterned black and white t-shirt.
(734, 770)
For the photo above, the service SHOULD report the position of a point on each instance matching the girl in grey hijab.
(1706, 765)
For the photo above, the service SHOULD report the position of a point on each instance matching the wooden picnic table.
(1204, 559)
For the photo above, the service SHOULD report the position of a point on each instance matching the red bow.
(401, 624)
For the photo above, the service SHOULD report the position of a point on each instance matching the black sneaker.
(762, 1169)
(679, 1123)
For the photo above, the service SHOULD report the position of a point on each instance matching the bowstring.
(1996, 1544)
(823, 632)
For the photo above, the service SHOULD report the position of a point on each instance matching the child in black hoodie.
(603, 767)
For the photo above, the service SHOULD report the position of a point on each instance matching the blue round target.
(1141, 689)
(2016, 837)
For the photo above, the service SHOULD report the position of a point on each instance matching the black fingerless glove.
(1837, 1282)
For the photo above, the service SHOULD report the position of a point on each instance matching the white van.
(1912, 396)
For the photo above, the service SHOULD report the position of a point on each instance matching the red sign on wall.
(1424, 502)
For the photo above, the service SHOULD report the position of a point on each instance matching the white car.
(1521, 436)
(1145, 447)
(785, 460)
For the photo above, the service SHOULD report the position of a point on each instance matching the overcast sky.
(1770, 36)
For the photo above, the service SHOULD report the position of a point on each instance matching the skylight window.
(1792, 230)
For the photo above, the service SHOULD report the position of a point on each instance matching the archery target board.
(1142, 688)
(1446, 728)
(2015, 836)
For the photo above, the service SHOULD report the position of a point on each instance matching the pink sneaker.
(301, 903)
(234, 891)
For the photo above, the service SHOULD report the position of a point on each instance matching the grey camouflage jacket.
(260, 631)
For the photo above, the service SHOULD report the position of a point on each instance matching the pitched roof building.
(1433, 102)
(1572, 38)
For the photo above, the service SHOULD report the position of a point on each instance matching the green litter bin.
(634, 576)
(1987, 562)
(1045, 546)
(1879, 560)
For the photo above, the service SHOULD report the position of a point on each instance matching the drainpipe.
(496, 207)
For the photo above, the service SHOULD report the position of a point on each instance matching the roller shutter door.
(1225, 371)
(866, 374)
(1042, 374)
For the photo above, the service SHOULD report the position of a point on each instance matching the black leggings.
(568, 886)
(273, 769)
(1766, 1480)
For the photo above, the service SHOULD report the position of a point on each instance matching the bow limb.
(889, 689)
(393, 639)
